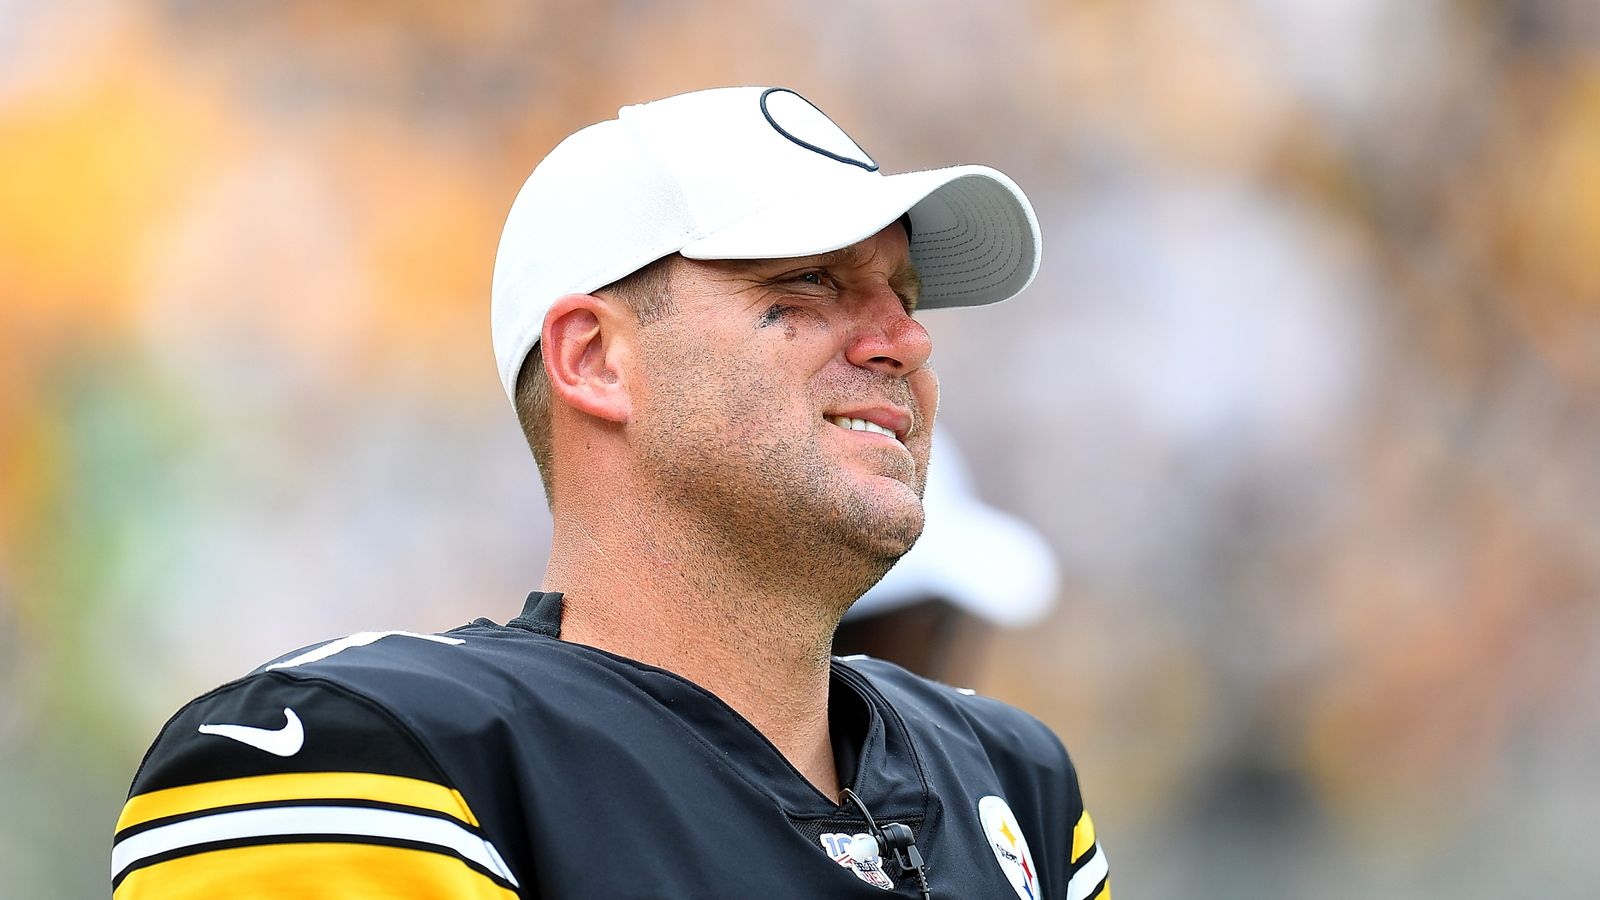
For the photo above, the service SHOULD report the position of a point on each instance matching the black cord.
(872, 826)
(903, 848)
(922, 873)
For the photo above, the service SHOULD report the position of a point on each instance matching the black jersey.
(499, 761)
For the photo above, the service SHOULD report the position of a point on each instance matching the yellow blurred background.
(1306, 397)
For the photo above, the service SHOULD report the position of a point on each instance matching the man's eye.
(816, 278)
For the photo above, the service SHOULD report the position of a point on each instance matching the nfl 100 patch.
(867, 866)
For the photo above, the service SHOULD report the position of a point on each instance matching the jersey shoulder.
(1032, 765)
(308, 777)
(1004, 730)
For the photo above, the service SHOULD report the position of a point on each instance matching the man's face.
(744, 411)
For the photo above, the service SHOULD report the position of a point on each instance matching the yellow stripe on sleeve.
(194, 798)
(311, 871)
(1082, 837)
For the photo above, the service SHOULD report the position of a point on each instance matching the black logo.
(802, 117)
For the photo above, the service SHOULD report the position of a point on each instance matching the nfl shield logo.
(837, 845)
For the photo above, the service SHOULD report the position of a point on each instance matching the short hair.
(648, 293)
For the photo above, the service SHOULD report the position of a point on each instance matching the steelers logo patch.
(797, 119)
(1010, 847)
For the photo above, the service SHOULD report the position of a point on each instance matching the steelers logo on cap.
(799, 120)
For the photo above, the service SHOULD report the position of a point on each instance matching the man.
(702, 315)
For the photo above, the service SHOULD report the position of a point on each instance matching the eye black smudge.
(775, 314)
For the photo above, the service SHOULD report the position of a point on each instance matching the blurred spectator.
(974, 568)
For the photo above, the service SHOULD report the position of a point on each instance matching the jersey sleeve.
(275, 787)
(1090, 877)
(1088, 871)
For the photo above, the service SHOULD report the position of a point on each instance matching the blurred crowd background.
(1306, 397)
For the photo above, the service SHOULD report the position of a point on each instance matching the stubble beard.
(776, 509)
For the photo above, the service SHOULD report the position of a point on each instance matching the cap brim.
(975, 238)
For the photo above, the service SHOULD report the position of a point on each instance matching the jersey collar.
(888, 774)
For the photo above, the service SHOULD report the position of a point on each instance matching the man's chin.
(890, 525)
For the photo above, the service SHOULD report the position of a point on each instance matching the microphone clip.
(897, 841)
(902, 847)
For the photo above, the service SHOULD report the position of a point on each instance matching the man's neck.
(762, 648)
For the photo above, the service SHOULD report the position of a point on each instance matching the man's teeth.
(860, 425)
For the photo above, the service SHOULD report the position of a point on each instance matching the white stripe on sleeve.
(309, 820)
(1088, 877)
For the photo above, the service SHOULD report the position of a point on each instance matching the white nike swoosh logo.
(285, 741)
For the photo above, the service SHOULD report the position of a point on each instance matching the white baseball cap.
(985, 561)
(741, 173)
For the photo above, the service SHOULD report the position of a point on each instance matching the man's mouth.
(850, 424)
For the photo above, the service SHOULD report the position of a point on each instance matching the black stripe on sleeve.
(132, 830)
(1083, 860)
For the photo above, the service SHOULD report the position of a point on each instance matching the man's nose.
(887, 339)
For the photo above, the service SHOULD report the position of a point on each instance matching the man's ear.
(584, 351)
